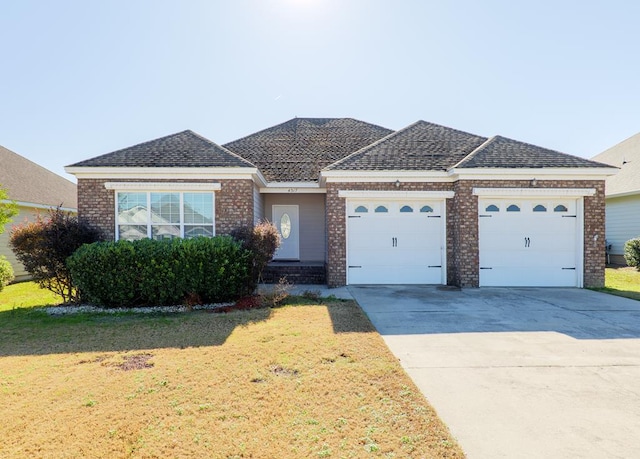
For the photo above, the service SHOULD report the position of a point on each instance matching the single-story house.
(622, 195)
(426, 204)
(35, 190)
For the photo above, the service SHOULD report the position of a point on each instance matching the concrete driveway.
(520, 373)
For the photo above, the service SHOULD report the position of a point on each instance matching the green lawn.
(25, 295)
(622, 282)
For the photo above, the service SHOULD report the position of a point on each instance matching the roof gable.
(184, 149)
(626, 156)
(420, 146)
(26, 181)
(501, 152)
(298, 149)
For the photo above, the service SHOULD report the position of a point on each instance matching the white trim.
(395, 194)
(384, 176)
(580, 248)
(622, 194)
(162, 186)
(37, 206)
(534, 192)
(157, 173)
(545, 173)
(292, 187)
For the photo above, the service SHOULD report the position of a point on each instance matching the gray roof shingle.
(501, 152)
(420, 146)
(26, 181)
(296, 151)
(184, 149)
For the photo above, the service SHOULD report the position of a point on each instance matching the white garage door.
(526, 242)
(395, 242)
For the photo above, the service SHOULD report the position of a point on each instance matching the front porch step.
(295, 272)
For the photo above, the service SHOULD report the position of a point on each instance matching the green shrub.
(632, 252)
(6, 272)
(44, 245)
(149, 272)
(262, 241)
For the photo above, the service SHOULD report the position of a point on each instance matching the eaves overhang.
(541, 173)
(380, 176)
(168, 173)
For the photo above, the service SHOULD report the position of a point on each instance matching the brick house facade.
(302, 158)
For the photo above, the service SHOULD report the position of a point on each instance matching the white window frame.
(176, 188)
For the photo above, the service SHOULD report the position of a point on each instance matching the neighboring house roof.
(27, 182)
(296, 151)
(184, 149)
(626, 156)
(501, 152)
(420, 146)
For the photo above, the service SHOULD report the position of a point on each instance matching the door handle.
(394, 242)
(527, 242)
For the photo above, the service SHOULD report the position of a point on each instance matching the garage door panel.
(395, 247)
(528, 248)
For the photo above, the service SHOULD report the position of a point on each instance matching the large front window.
(164, 215)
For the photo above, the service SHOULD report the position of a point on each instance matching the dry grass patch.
(299, 381)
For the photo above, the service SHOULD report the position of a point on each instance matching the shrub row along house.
(357, 203)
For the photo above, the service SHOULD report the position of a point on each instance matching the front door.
(286, 220)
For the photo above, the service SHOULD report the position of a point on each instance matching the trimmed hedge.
(150, 272)
(632, 252)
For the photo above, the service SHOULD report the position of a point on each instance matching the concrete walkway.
(520, 373)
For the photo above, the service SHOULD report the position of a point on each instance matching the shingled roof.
(296, 151)
(501, 152)
(184, 149)
(28, 182)
(420, 146)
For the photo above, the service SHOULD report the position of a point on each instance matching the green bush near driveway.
(632, 252)
(150, 272)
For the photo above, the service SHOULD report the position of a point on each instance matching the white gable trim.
(395, 194)
(161, 186)
(533, 192)
(292, 187)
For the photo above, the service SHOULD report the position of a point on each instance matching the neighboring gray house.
(622, 195)
(357, 203)
(35, 190)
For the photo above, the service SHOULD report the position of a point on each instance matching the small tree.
(262, 241)
(632, 252)
(8, 209)
(44, 245)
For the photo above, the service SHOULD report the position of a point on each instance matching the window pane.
(198, 208)
(165, 231)
(165, 207)
(406, 209)
(195, 231)
(513, 208)
(381, 209)
(132, 208)
(132, 232)
(539, 208)
(426, 209)
(492, 208)
(362, 209)
(560, 208)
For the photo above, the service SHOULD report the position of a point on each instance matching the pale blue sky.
(83, 78)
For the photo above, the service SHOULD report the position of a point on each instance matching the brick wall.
(462, 226)
(234, 203)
